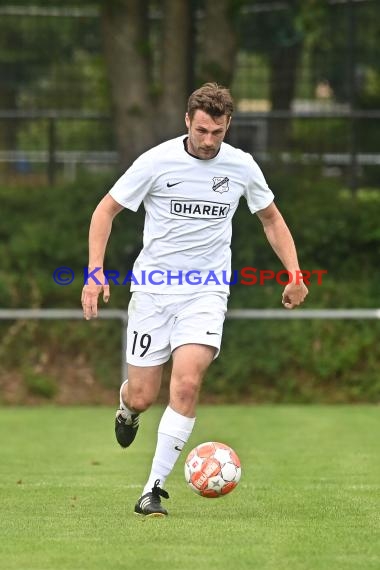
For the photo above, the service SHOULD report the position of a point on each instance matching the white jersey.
(189, 205)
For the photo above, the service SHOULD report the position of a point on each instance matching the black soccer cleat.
(126, 427)
(149, 505)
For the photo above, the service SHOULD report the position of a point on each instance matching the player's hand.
(90, 294)
(294, 294)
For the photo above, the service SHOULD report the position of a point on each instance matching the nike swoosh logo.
(178, 448)
(173, 184)
(208, 332)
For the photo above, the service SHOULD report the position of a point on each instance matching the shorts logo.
(200, 209)
(220, 184)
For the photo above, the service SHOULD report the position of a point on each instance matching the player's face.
(206, 134)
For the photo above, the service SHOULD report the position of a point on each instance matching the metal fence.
(249, 131)
(55, 113)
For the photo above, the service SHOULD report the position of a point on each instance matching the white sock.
(173, 432)
(123, 407)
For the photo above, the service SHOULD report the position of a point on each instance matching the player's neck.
(186, 147)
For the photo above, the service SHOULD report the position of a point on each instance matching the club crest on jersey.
(220, 184)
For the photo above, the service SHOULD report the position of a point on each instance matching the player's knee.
(186, 388)
(139, 402)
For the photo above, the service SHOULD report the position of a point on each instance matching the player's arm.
(282, 243)
(100, 229)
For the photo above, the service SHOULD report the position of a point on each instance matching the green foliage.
(299, 360)
(307, 360)
(56, 63)
(251, 77)
(370, 95)
(48, 228)
(341, 29)
(281, 30)
(318, 135)
(44, 229)
(333, 136)
(39, 384)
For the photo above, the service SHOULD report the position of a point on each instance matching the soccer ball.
(212, 469)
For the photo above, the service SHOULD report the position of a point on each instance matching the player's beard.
(204, 153)
(210, 152)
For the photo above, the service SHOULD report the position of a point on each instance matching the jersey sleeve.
(132, 187)
(257, 192)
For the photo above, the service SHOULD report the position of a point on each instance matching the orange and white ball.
(212, 469)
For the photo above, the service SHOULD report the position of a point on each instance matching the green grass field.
(308, 498)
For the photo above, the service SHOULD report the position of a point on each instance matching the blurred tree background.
(85, 88)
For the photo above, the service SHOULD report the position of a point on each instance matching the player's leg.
(137, 394)
(148, 347)
(190, 363)
(195, 341)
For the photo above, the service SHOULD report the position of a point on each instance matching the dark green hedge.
(43, 228)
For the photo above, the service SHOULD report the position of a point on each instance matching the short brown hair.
(213, 99)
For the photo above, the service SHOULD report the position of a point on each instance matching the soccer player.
(190, 187)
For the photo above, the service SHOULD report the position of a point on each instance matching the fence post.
(52, 147)
(351, 85)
